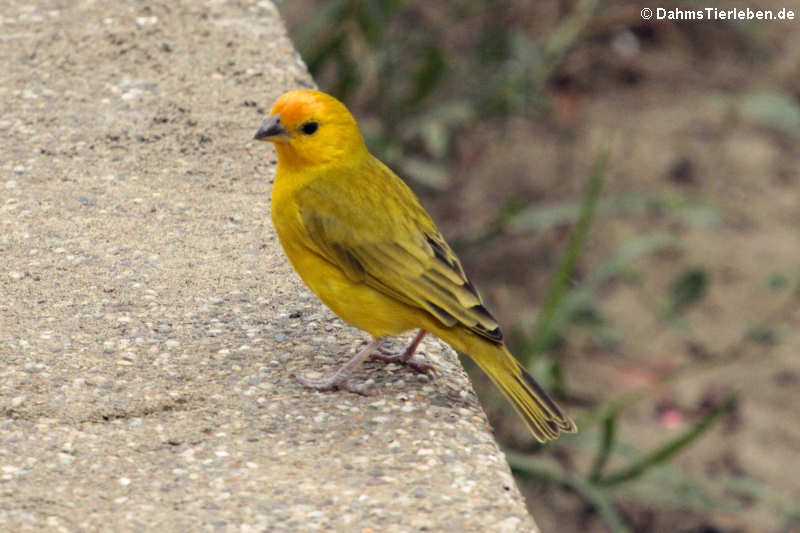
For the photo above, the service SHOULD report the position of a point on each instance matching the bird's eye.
(309, 127)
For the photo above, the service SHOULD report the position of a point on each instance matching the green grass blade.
(566, 34)
(670, 449)
(540, 218)
(606, 445)
(582, 296)
(558, 288)
(526, 467)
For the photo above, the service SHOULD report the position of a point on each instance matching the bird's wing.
(379, 234)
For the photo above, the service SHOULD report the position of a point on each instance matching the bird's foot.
(341, 378)
(335, 382)
(416, 363)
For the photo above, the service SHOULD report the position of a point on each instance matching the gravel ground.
(149, 323)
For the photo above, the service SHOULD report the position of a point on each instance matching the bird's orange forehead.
(297, 106)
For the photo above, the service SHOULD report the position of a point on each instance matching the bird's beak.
(271, 129)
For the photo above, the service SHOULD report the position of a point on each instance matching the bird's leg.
(406, 357)
(339, 379)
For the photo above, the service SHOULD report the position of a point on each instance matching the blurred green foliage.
(553, 313)
(596, 485)
(686, 290)
(405, 64)
(774, 109)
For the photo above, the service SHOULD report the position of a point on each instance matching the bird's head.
(311, 128)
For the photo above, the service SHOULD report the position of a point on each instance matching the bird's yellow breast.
(354, 302)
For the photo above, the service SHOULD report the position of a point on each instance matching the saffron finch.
(362, 242)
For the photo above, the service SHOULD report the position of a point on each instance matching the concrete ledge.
(149, 323)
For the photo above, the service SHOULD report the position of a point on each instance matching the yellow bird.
(361, 241)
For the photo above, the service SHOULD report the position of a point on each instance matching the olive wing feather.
(388, 241)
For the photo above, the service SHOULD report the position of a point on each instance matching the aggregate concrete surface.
(149, 323)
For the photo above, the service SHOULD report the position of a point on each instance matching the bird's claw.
(335, 382)
(418, 364)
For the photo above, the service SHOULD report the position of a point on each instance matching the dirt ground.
(671, 100)
(676, 130)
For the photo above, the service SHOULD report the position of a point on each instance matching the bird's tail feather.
(541, 414)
